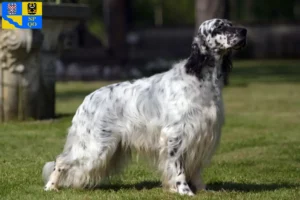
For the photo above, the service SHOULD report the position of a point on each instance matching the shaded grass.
(259, 156)
(266, 72)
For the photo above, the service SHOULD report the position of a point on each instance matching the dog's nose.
(243, 32)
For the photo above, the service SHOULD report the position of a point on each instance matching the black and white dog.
(176, 115)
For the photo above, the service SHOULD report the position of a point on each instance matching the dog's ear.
(226, 67)
(196, 59)
(195, 51)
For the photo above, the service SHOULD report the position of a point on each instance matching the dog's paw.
(184, 189)
(173, 189)
(199, 187)
(50, 187)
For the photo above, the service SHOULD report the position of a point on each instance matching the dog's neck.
(205, 65)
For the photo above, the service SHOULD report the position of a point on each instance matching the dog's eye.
(217, 30)
(219, 26)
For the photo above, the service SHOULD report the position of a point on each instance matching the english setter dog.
(176, 116)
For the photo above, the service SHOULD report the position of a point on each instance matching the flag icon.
(22, 15)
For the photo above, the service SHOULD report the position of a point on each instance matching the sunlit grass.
(259, 156)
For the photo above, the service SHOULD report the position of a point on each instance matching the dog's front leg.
(197, 183)
(176, 172)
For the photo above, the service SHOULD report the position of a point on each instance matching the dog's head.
(219, 35)
(215, 38)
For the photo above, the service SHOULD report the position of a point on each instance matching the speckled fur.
(176, 115)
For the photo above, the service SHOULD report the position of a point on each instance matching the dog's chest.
(210, 114)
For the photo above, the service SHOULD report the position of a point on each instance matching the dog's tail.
(47, 170)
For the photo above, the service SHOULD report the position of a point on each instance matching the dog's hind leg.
(47, 170)
(53, 179)
(86, 162)
(60, 168)
(174, 173)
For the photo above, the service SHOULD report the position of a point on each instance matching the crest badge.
(11, 8)
(31, 8)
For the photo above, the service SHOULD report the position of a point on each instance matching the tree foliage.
(268, 11)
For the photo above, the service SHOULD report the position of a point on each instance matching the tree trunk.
(234, 8)
(248, 7)
(208, 9)
(115, 18)
(158, 13)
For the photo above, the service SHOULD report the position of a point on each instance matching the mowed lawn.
(259, 155)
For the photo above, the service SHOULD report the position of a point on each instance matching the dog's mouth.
(242, 43)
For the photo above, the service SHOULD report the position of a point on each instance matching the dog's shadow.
(148, 185)
(247, 187)
(215, 186)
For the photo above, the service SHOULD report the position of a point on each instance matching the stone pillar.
(27, 63)
(27, 71)
(19, 74)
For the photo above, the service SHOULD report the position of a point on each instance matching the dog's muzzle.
(242, 32)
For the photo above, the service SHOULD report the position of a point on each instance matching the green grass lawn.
(259, 156)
